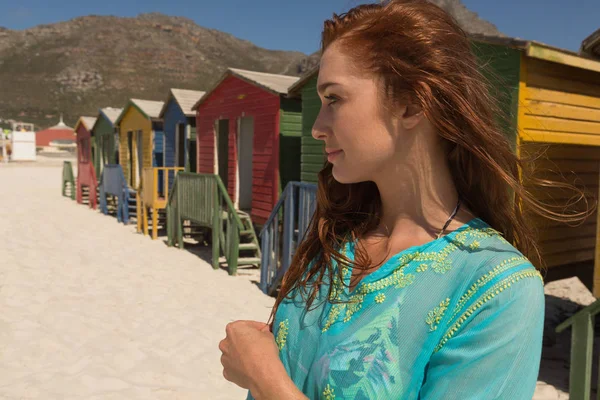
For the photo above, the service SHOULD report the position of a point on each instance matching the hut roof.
(148, 108)
(185, 99)
(111, 113)
(277, 84)
(591, 44)
(296, 87)
(544, 52)
(88, 122)
(274, 82)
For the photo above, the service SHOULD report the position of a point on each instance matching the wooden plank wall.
(561, 104)
(560, 113)
(578, 165)
(290, 127)
(313, 158)
(134, 121)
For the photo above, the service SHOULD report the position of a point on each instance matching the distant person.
(413, 280)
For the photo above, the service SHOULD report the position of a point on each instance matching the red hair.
(419, 52)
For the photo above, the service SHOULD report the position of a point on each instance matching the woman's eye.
(330, 99)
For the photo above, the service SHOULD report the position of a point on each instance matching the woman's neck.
(418, 196)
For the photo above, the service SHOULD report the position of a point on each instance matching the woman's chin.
(343, 176)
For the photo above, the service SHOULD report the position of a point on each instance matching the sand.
(91, 310)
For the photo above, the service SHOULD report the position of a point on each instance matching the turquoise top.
(460, 317)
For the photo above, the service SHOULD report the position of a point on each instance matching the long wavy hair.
(418, 50)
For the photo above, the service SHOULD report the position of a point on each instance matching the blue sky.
(296, 24)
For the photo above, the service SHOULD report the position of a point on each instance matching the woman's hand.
(251, 360)
(248, 349)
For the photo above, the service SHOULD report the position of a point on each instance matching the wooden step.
(247, 232)
(248, 261)
(247, 246)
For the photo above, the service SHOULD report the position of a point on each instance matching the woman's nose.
(319, 128)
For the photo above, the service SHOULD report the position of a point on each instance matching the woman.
(412, 281)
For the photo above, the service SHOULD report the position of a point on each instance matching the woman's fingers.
(223, 345)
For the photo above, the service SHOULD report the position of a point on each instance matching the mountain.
(468, 20)
(78, 66)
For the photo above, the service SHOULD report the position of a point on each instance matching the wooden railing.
(203, 199)
(86, 176)
(155, 185)
(68, 180)
(279, 241)
(582, 344)
(112, 182)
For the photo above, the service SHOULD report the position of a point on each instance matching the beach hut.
(552, 99)
(249, 135)
(141, 155)
(105, 135)
(312, 156)
(140, 138)
(180, 128)
(86, 173)
(112, 181)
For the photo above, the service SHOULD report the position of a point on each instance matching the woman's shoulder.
(498, 281)
(484, 249)
(492, 265)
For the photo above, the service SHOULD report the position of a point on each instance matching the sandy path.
(89, 309)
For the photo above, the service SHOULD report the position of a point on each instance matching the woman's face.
(361, 140)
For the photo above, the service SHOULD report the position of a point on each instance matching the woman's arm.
(275, 384)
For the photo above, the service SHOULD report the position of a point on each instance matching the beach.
(92, 310)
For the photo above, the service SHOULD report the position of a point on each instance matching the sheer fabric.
(460, 317)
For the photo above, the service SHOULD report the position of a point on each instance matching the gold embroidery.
(380, 298)
(282, 334)
(503, 266)
(422, 268)
(475, 245)
(328, 393)
(487, 296)
(398, 279)
(435, 316)
(439, 260)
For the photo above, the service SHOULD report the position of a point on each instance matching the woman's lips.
(332, 154)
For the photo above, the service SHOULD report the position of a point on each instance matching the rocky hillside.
(77, 66)
(90, 62)
(467, 19)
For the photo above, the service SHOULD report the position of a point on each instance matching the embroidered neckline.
(348, 303)
(422, 252)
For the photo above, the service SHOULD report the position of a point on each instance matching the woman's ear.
(412, 116)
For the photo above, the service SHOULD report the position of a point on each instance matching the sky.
(296, 24)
